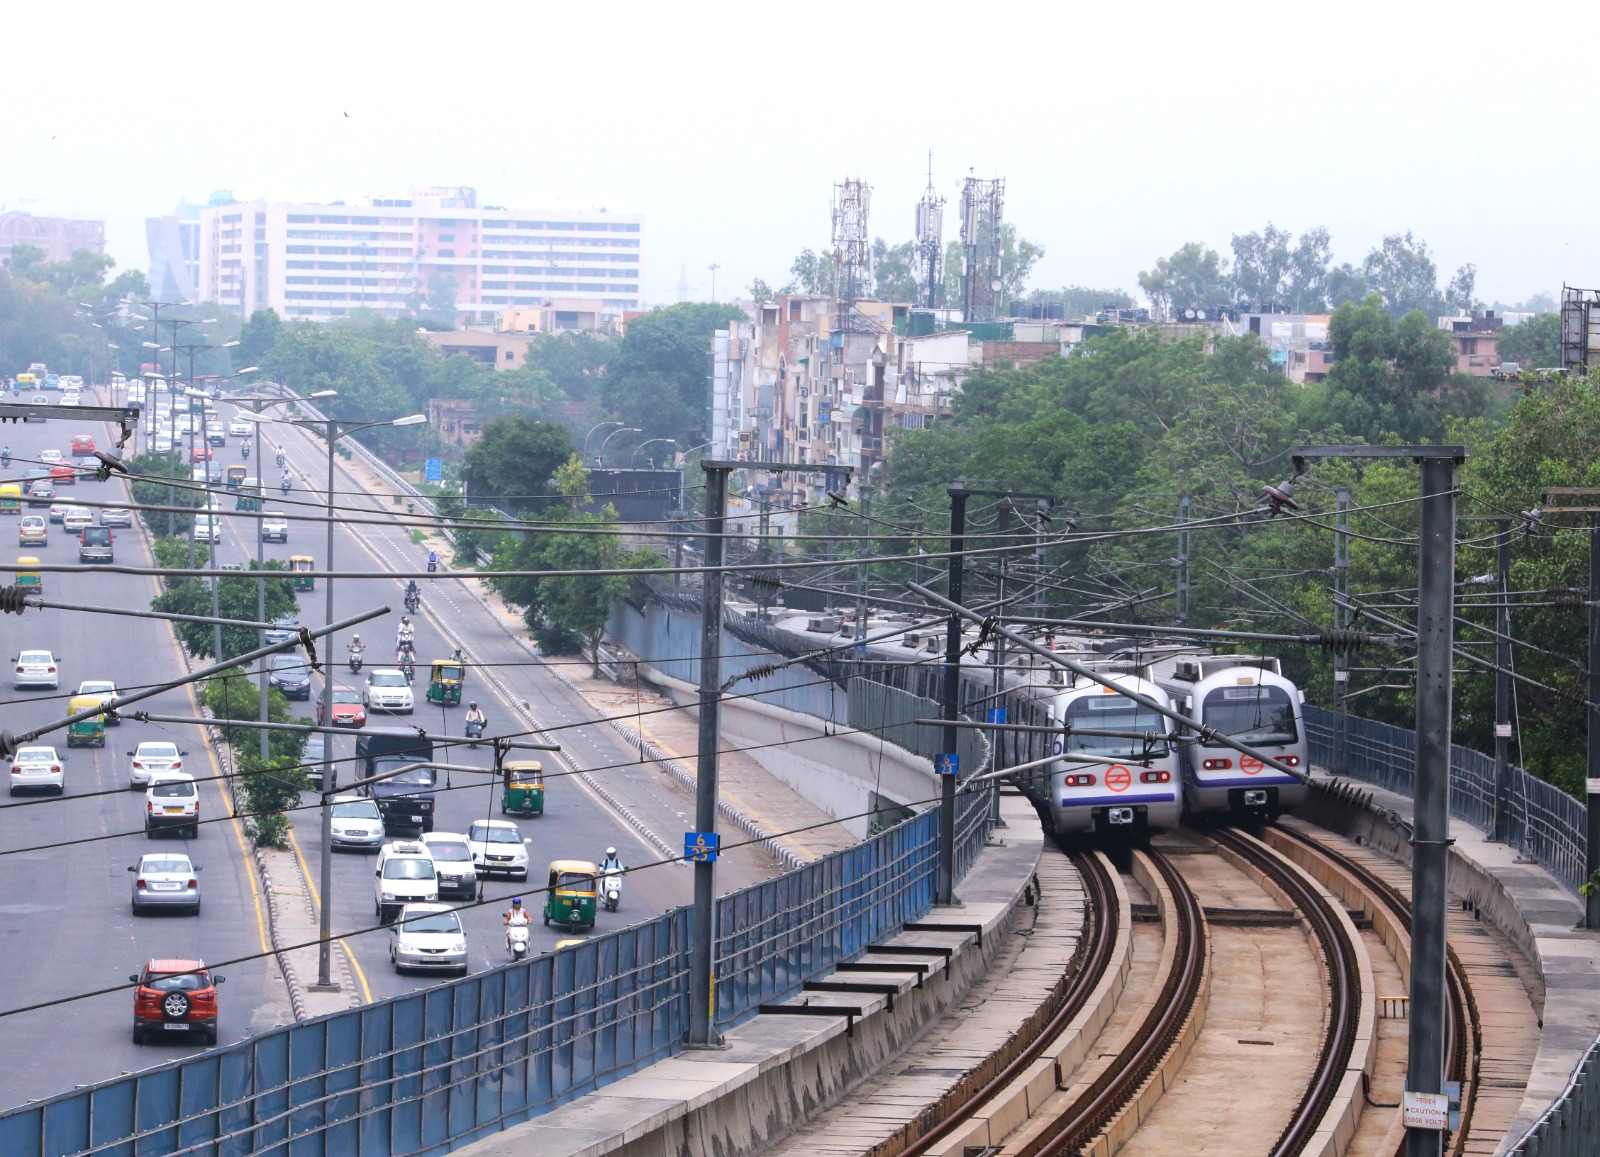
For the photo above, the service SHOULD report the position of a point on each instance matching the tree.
(658, 377)
(1309, 267)
(257, 338)
(1018, 256)
(24, 259)
(1532, 344)
(894, 270)
(760, 292)
(1458, 295)
(515, 459)
(236, 599)
(269, 786)
(1261, 266)
(1192, 276)
(1078, 301)
(153, 485)
(1402, 272)
(812, 272)
(1387, 378)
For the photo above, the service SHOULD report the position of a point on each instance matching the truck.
(406, 801)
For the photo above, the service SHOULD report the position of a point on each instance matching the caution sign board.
(1425, 1110)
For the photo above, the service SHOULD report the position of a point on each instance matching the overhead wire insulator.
(1344, 640)
(1567, 600)
(11, 599)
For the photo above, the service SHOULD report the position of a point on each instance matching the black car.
(291, 674)
(311, 761)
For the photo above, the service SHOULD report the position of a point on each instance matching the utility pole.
(997, 657)
(1502, 689)
(1591, 858)
(1430, 819)
(947, 765)
(1180, 601)
(862, 518)
(1341, 619)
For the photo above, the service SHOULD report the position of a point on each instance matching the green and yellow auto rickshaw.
(445, 677)
(90, 732)
(570, 899)
(29, 577)
(523, 793)
(248, 495)
(10, 498)
(236, 476)
(300, 568)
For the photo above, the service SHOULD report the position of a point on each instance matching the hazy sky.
(1122, 131)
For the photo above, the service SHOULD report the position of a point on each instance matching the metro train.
(1109, 797)
(1247, 698)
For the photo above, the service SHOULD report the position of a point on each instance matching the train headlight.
(1216, 764)
(1289, 760)
(1079, 780)
(1155, 777)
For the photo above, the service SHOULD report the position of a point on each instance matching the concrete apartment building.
(397, 254)
(59, 237)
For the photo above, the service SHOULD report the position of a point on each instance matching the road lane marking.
(316, 906)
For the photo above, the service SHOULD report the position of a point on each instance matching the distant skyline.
(1120, 140)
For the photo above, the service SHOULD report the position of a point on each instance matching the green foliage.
(269, 786)
(811, 272)
(1534, 343)
(658, 377)
(1192, 276)
(256, 338)
(236, 599)
(515, 459)
(160, 480)
(1018, 256)
(894, 270)
(1080, 301)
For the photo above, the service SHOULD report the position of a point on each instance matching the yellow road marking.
(316, 906)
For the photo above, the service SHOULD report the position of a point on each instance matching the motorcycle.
(475, 731)
(517, 938)
(413, 601)
(433, 565)
(355, 663)
(285, 487)
(406, 667)
(245, 450)
(280, 459)
(611, 888)
(5, 461)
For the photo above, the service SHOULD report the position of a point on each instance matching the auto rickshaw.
(236, 475)
(524, 789)
(249, 495)
(10, 498)
(445, 677)
(570, 899)
(300, 568)
(28, 577)
(90, 732)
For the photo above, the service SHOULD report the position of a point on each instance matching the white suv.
(404, 875)
(387, 690)
(172, 801)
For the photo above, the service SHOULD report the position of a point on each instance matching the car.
(216, 435)
(404, 875)
(82, 446)
(291, 674)
(58, 510)
(162, 445)
(35, 669)
(75, 518)
(96, 544)
(426, 937)
(153, 757)
(356, 823)
(311, 760)
(274, 526)
(214, 474)
(387, 690)
(200, 453)
(68, 399)
(165, 880)
(348, 709)
(51, 455)
(452, 861)
(116, 516)
(33, 531)
(239, 428)
(172, 801)
(282, 630)
(207, 528)
(63, 475)
(41, 492)
(37, 768)
(36, 400)
(105, 691)
(498, 848)
(175, 996)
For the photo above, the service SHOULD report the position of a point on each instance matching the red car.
(82, 446)
(175, 996)
(348, 708)
(63, 475)
(202, 453)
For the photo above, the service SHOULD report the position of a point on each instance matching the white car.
(207, 528)
(427, 937)
(274, 526)
(162, 445)
(172, 801)
(35, 669)
(498, 848)
(357, 822)
(102, 689)
(404, 875)
(69, 399)
(387, 690)
(153, 757)
(75, 518)
(116, 516)
(37, 767)
(165, 880)
(51, 456)
(239, 428)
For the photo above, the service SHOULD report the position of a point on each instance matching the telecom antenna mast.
(930, 241)
(982, 212)
(851, 199)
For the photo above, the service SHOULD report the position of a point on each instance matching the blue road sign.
(995, 715)
(434, 470)
(701, 846)
(947, 763)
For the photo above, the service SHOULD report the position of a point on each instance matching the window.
(1469, 345)
(447, 237)
(447, 253)
(511, 355)
(618, 228)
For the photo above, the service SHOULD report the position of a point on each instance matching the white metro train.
(1107, 795)
(1247, 698)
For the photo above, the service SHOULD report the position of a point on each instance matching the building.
(1474, 338)
(59, 237)
(500, 351)
(455, 420)
(1297, 343)
(174, 245)
(432, 250)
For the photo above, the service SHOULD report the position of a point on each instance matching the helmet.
(405, 620)
(355, 638)
(611, 852)
(471, 705)
(516, 901)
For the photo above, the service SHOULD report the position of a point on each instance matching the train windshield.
(1252, 714)
(1113, 713)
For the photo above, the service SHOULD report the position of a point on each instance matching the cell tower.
(851, 200)
(930, 241)
(982, 213)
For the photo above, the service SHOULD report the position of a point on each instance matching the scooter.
(475, 731)
(244, 449)
(285, 488)
(611, 888)
(413, 601)
(517, 938)
(355, 663)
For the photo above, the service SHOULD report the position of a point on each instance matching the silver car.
(153, 757)
(165, 880)
(116, 516)
(428, 936)
(356, 823)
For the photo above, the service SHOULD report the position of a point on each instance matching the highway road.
(65, 924)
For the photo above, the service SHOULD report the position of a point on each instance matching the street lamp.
(640, 448)
(332, 433)
(584, 453)
(600, 458)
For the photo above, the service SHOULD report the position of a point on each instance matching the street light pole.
(600, 458)
(584, 453)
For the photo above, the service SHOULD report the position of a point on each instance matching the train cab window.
(1113, 713)
(1252, 714)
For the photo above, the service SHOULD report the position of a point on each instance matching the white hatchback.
(36, 768)
(239, 428)
(35, 669)
(153, 757)
(75, 518)
(387, 690)
(498, 847)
